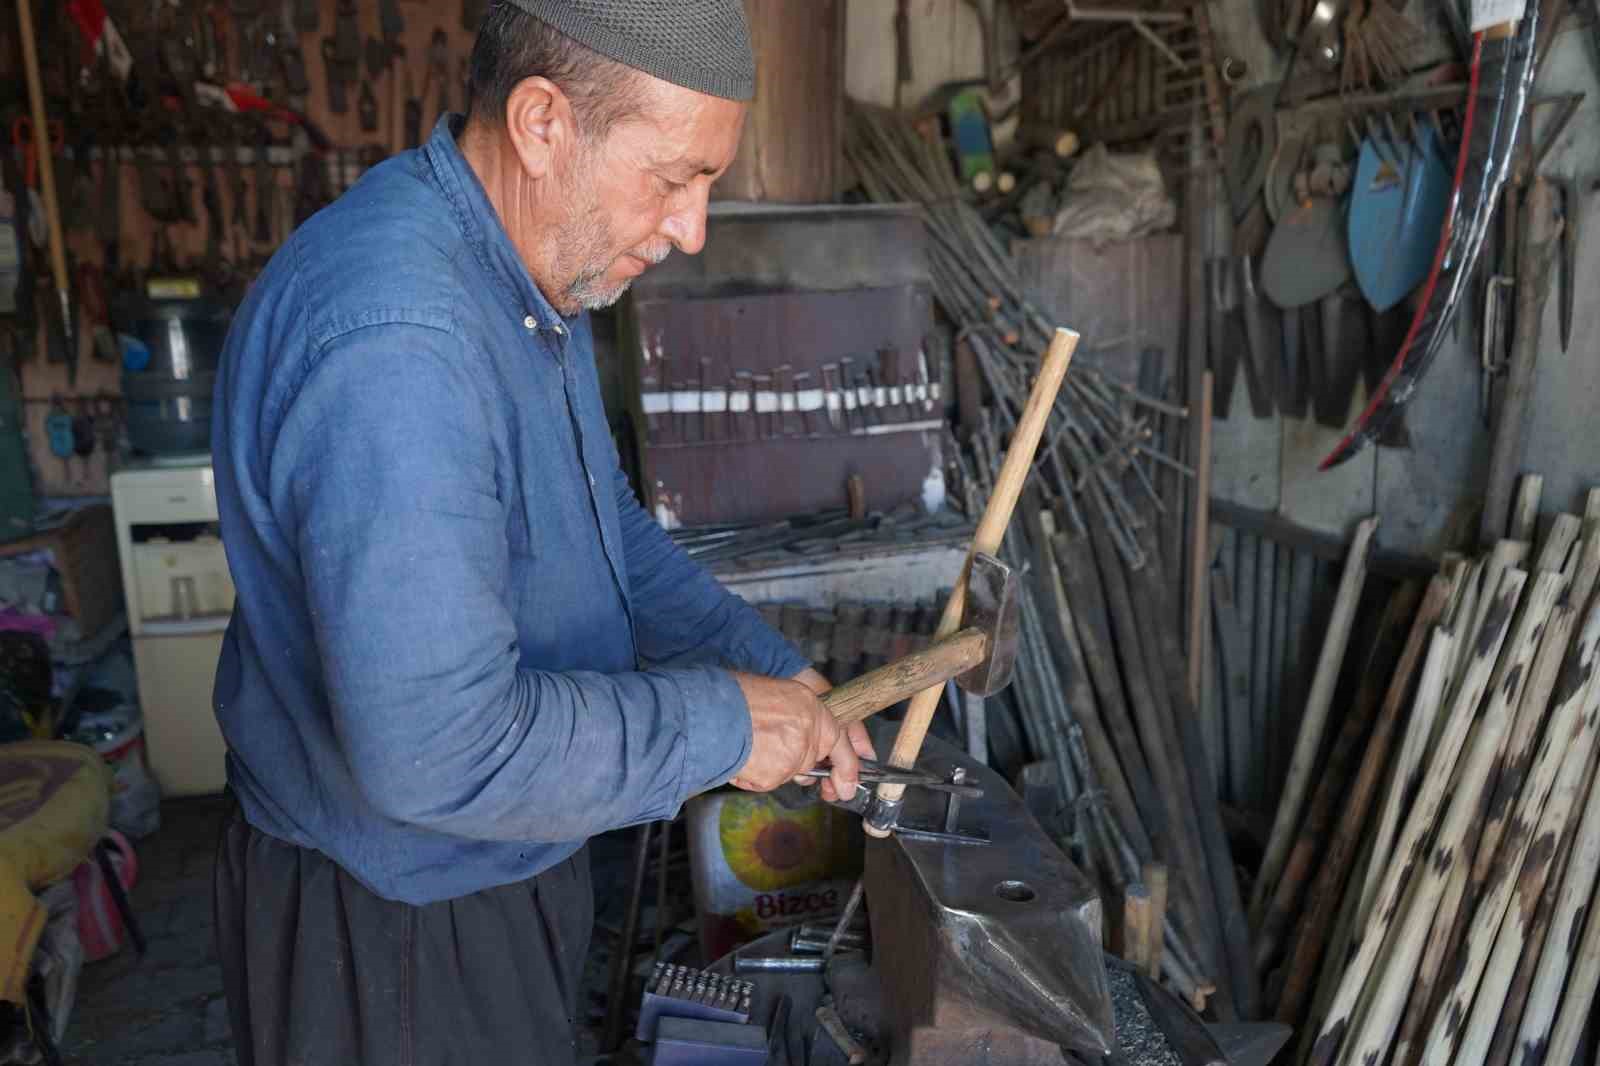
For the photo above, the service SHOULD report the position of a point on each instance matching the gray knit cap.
(700, 44)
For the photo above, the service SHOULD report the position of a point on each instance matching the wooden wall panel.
(791, 151)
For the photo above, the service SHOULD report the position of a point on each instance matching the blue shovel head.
(1397, 205)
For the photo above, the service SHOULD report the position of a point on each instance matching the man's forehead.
(701, 137)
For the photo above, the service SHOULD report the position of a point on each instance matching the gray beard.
(590, 292)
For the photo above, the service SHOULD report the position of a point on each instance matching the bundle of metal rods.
(1101, 427)
(1437, 905)
(1100, 690)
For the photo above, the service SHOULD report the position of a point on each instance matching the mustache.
(653, 253)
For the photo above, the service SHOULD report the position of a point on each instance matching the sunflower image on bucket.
(759, 865)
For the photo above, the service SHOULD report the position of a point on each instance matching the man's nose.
(685, 227)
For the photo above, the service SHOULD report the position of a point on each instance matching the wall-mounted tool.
(810, 402)
(833, 396)
(413, 110)
(84, 438)
(342, 55)
(38, 133)
(437, 79)
(108, 210)
(391, 23)
(92, 295)
(333, 71)
(292, 65)
(58, 432)
(367, 108)
(376, 55)
(1396, 209)
(265, 189)
(847, 392)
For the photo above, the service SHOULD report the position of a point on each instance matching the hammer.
(978, 656)
(991, 530)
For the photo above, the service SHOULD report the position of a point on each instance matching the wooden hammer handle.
(886, 686)
(991, 530)
(44, 150)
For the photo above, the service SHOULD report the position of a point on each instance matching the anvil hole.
(1015, 891)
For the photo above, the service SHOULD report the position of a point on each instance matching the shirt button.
(561, 331)
(530, 323)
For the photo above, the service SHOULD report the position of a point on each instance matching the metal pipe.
(778, 964)
(622, 957)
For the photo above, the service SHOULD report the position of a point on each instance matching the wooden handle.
(1154, 875)
(886, 686)
(1056, 140)
(1138, 929)
(991, 530)
(41, 135)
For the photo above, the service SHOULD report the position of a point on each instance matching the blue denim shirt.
(437, 671)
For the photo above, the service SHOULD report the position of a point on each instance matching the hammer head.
(991, 606)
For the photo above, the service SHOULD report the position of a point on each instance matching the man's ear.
(539, 122)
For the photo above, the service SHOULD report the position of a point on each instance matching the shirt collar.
(481, 224)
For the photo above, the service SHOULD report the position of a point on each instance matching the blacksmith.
(460, 646)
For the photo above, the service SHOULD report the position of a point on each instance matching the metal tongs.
(877, 773)
(867, 803)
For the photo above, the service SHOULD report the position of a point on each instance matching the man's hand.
(793, 731)
(855, 732)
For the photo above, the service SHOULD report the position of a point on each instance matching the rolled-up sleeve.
(387, 478)
(681, 611)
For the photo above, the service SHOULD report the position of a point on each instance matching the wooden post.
(1155, 880)
(1561, 954)
(1393, 983)
(1318, 703)
(1310, 848)
(1511, 1014)
(1336, 1027)
(1524, 519)
(1334, 862)
(1519, 880)
(1557, 543)
(1138, 929)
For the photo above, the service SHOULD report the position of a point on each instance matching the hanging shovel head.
(1306, 257)
(992, 606)
(1396, 210)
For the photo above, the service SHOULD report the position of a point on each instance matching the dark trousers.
(318, 970)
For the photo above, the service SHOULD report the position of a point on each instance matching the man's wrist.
(811, 679)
